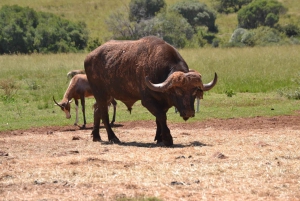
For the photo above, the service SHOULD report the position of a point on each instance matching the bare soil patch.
(234, 159)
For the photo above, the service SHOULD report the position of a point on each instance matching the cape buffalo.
(149, 70)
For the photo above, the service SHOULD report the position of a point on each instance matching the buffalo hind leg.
(95, 132)
(105, 119)
(114, 103)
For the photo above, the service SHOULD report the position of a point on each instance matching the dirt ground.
(234, 159)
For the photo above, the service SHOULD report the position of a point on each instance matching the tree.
(196, 13)
(144, 9)
(23, 30)
(229, 6)
(120, 25)
(260, 13)
(172, 28)
(17, 26)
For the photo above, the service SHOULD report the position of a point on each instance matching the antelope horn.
(210, 85)
(57, 103)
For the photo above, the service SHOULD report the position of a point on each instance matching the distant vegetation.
(23, 30)
(76, 25)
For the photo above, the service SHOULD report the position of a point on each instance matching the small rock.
(2, 153)
(173, 183)
(39, 182)
(76, 138)
(219, 155)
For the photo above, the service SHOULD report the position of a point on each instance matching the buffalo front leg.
(95, 132)
(165, 134)
(158, 136)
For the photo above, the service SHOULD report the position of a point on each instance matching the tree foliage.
(144, 9)
(23, 30)
(196, 13)
(260, 13)
(229, 6)
(173, 28)
(119, 24)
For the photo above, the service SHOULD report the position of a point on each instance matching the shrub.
(289, 29)
(170, 26)
(262, 36)
(260, 13)
(144, 9)
(23, 30)
(229, 6)
(93, 44)
(196, 13)
(173, 28)
(9, 88)
(230, 93)
(121, 27)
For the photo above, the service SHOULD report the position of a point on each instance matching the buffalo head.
(182, 89)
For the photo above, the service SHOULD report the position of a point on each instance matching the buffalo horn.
(161, 87)
(57, 103)
(210, 85)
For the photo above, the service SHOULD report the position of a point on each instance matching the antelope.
(72, 73)
(79, 88)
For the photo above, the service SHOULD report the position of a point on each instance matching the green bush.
(173, 28)
(23, 30)
(196, 13)
(260, 13)
(289, 29)
(262, 36)
(144, 9)
(229, 6)
(170, 26)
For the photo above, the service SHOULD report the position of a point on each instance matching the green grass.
(259, 69)
(254, 74)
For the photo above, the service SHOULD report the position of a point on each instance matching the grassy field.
(254, 74)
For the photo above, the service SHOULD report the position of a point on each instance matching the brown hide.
(124, 69)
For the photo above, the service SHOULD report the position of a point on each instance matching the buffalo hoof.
(96, 139)
(115, 140)
(167, 140)
(161, 144)
(168, 143)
